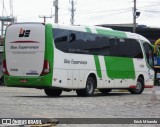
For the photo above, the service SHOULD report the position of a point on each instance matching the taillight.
(4, 70)
(46, 68)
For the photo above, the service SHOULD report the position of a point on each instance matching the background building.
(152, 34)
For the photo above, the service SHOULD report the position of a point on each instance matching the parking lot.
(33, 103)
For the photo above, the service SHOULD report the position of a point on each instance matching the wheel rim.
(138, 87)
(90, 87)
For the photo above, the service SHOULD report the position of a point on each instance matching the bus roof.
(96, 30)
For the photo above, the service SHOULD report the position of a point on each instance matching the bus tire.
(89, 90)
(139, 87)
(105, 91)
(53, 92)
(2, 80)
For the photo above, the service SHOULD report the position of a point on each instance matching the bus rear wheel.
(53, 92)
(139, 87)
(89, 90)
(105, 91)
(2, 80)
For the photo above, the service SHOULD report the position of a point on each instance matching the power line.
(117, 11)
(105, 11)
(112, 14)
(45, 17)
(152, 5)
(149, 17)
(152, 11)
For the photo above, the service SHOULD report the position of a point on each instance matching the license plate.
(23, 81)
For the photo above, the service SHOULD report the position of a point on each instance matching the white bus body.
(57, 58)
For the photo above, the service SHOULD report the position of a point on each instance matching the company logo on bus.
(24, 33)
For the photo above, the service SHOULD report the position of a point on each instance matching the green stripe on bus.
(113, 33)
(119, 68)
(96, 58)
(88, 30)
(49, 49)
(98, 67)
(38, 81)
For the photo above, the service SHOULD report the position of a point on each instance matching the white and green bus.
(60, 58)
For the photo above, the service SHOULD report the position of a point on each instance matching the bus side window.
(151, 58)
(149, 53)
(104, 46)
(113, 47)
(60, 39)
(90, 44)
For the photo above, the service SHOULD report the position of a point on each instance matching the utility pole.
(134, 17)
(55, 4)
(44, 18)
(11, 8)
(6, 19)
(72, 12)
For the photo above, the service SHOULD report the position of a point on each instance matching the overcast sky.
(89, 12)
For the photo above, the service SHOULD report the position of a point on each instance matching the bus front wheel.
(139, 87)
(2, 80)
(89, 89)
(53, 92)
